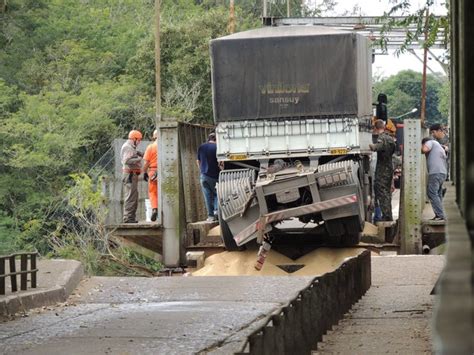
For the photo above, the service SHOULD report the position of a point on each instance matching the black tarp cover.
(291, 71)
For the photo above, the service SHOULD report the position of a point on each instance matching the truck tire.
(344, 231)
(334, 227)
(348, 240)
(353, 230)
(227, 237)
(335, 230)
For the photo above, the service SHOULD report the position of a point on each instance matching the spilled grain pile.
(318, 262)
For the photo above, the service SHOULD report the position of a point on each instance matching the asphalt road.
(187, 315)
(167, 315)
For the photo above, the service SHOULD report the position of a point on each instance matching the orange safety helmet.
(134, 134)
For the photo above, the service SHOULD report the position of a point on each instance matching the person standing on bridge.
(385, 147)
(209, 168)
(150, 174)
(131, 166)
(437, 171)
(437, 132)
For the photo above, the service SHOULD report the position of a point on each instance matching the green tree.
(404, 93)
(74, 75)
(9, 100)
(445, 99)
(185, 62)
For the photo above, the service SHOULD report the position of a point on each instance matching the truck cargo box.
(291, 72)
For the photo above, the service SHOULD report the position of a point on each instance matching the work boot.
(154, 214)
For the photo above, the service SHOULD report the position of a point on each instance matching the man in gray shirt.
(438, 133)
(437, 171)
(131, 166)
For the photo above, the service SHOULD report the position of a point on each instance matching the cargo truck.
(292, 107)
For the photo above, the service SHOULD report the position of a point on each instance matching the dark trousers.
(435, 193)
(208, 186)
(383, 195)
(130, 197)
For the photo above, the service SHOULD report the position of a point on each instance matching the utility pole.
(158, 97)
(231, 26)
(3, 6)
(157, 64)
(423, 79)
(264, 8)
(288, 8)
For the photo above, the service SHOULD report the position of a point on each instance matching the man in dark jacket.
(209, 167)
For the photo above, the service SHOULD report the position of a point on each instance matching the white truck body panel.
(246, 140)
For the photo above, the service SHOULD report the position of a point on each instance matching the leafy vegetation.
(421, 23)
(404, 91)
(75, 74)
(81, 234)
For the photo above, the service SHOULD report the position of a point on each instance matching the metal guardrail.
(24, 271)
(297, 327)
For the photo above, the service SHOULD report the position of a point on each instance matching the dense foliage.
(75, 74)
(403, 91)
(419, 21)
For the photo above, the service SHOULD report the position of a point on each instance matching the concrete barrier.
(297, 327)
(454, 310)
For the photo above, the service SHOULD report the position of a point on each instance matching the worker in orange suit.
(150, 174)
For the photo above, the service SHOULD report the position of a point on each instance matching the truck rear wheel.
(227, 237)
(350, 239)
(344, 231)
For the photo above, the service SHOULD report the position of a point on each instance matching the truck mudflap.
(249, 208)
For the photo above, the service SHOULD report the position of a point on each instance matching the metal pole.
(423, 80)
(33, 270)
(13, 273)
(24, 270)
(3, 6)
(158, 95)
(2, 275)
(157, 64)
(231, 27)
